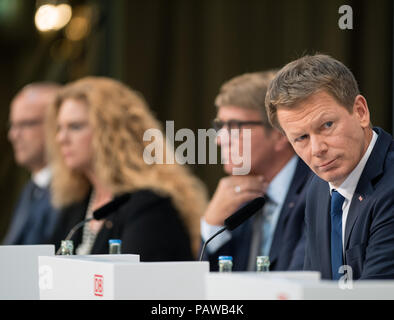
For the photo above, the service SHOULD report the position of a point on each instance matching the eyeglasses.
(26, 124)
(234, 124)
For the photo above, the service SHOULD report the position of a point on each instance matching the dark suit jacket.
(287, 249)
(369, 233)
(147, 224)
(34, 219)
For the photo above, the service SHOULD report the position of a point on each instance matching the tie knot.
(269, 208)
(269, 200)
(336, 202)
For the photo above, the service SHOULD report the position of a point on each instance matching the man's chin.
(21, 160)
(334, 179)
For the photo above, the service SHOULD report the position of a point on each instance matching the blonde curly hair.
(119, 117)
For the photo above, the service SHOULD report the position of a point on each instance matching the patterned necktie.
(260, 234)
(336, 233)
(268, 211)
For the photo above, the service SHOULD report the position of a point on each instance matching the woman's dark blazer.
(147, 224)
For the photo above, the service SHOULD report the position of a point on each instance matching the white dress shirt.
(348, 187)
(42, 178)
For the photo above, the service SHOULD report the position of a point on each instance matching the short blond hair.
(247, 91)
(304, 77)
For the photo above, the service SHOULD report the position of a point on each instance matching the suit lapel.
(356, 206)
(373, 169)
(323, 223)
(21, 216)
(301, 175)
(281, 227)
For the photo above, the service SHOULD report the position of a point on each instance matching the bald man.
(34, 218)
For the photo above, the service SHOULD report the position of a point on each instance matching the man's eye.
(301, 138)
(328, 124)
(233, 124)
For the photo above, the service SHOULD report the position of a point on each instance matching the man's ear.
(361, 111)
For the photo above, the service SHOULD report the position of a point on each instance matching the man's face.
(326, 136)
(27, 131)
(261, 146)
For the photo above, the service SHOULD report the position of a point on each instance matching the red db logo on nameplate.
(98, 285)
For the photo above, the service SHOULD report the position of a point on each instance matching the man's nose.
(318, 146)
(13, 133)
(222, 137)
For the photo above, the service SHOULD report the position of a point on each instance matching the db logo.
(98, 285)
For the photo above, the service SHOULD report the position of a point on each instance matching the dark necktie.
(336, 233)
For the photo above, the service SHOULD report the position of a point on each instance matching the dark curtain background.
(177, 53)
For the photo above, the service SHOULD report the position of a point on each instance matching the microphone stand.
(73, 230)
(237, 218)
(206, 242)
(100, 213)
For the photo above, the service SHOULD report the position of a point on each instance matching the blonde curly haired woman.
(95, 143)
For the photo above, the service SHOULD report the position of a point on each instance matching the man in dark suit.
(350, 205)
(34, 218)
(274, 171)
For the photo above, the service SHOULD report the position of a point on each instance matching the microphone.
(237, 218)
(111, 206)
(100, 214)
(244, 213)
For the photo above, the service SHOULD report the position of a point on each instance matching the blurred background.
(177, 53)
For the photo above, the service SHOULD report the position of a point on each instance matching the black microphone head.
(111, 206)
(244, 213)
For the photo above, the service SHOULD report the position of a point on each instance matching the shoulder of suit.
(390, 154)
(385, 183)
(316, 185)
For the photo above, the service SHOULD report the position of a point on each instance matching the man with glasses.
(275, 173)
(34, 218)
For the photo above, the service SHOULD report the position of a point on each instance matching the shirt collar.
(277, 189)
(348, 187)
(42, 178)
